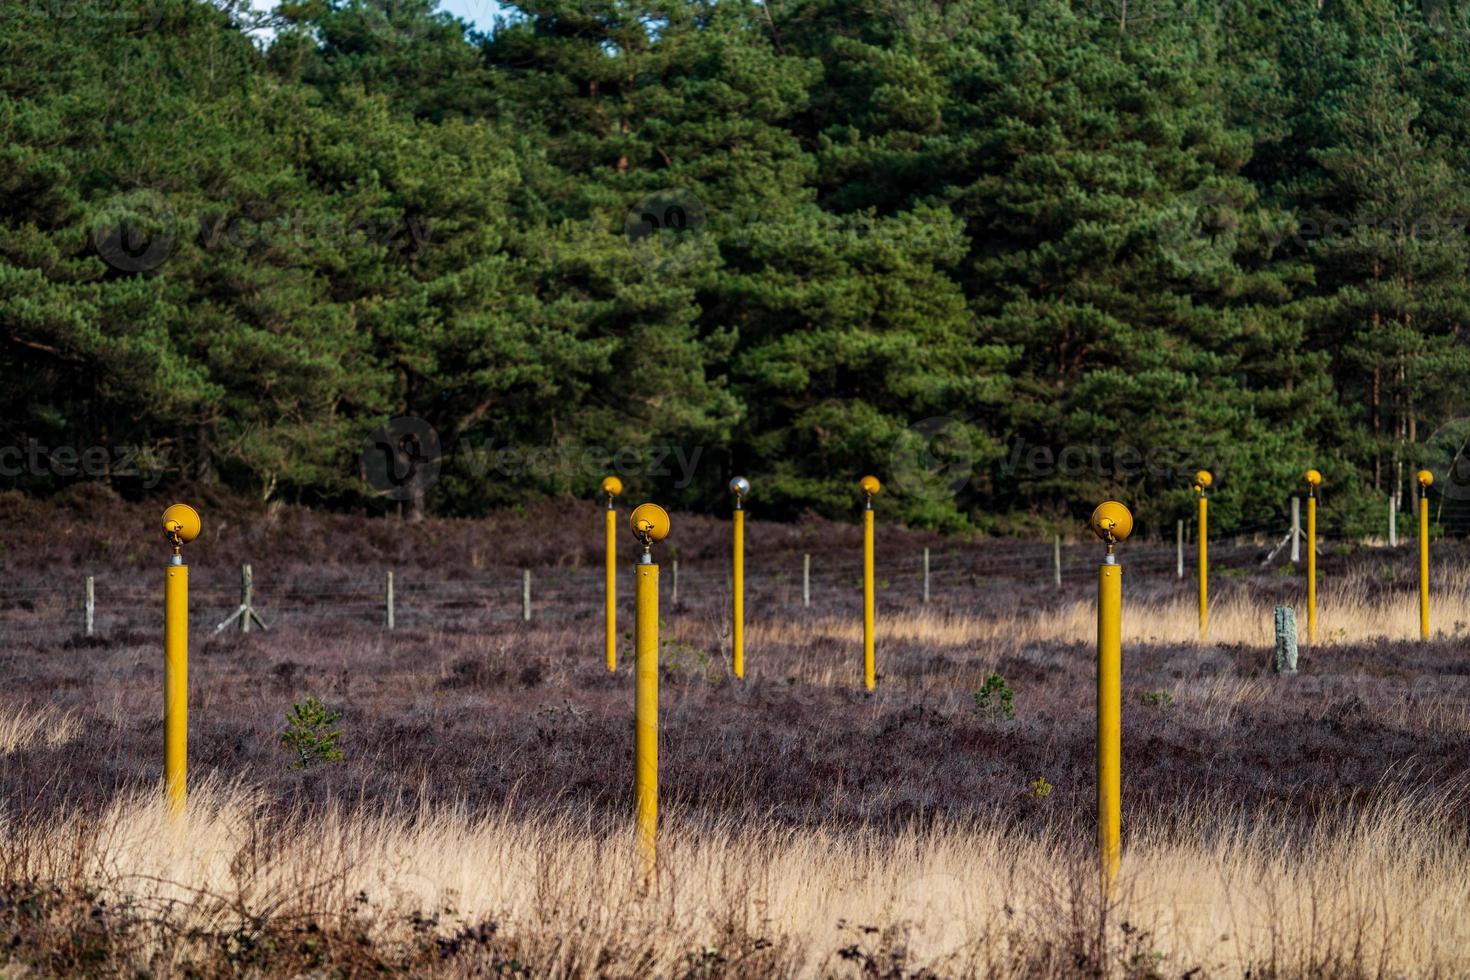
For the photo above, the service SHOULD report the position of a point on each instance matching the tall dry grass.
(22, 726)
(1376, 891)
(1351, 610)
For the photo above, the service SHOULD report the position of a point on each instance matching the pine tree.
(1390, 257)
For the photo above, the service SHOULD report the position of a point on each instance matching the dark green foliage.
(310, 736)
(995, 700)
(1011, 256)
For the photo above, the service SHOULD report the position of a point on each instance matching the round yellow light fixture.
(182, 522)
(1112, 521)
(649, 521)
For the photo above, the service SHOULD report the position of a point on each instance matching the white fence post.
(926, 576)
(390, 600)
(247, 596)
(1296, 529)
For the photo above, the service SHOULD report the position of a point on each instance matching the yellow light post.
(611, 487)
(739, 486)
(1425, 479)
(1202, 481)
(1112, 522)
(650, 523)
(870, 487)
(1314, 480)
(180, 525)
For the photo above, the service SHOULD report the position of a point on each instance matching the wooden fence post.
(247, 593)
(1179, 528)
(246, 612)
(390, 600)
(1296, 529)
(1284, 661)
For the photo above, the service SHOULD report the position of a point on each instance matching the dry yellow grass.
(23, 726)
(1346, 614)
(1377, 893)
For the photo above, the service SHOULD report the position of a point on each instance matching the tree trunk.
(204, 464)
(416, 502)
(1377, 427)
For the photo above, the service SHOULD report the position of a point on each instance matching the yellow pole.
(1311, 566)
(870, 488)
(176, 685)
(1112, 522)
(869, 672)
(1109, 717)
(650, 523)
(1425, 479)
(645, 713)
(181, 525)
(738, 625)
(610, 602)
(1204, 566)
(1423, 566)
(1203, 480)
(611, 487)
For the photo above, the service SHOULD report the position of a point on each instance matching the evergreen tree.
(1009, 255)
(1379, 222)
